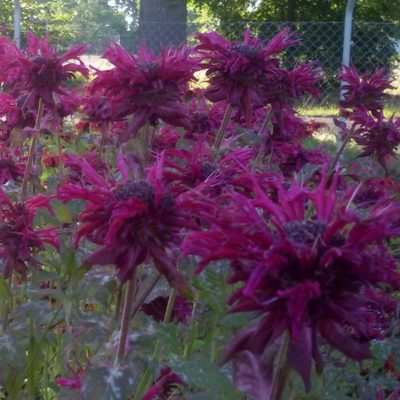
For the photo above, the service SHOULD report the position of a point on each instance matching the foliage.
(160, 240)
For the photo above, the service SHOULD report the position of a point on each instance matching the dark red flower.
(188, 168)
(167, 384)
(19, 239)
(38, 73)
(50, 160)
(291, 157)
(376, 189)
(156, 309)
(366, 91)
(237, 70)
(378, 136)
(11, 169)
(74, 166)
(132, 221)
(12, 116)
(284, 86)
(145, 88)
(306, 263)
(381, 395)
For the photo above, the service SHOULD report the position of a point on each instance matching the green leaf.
(201, 374)
(108, 382)
(62, 212)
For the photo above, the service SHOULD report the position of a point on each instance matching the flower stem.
(118, 304)
(8, 303)
(340, 152)
(144, 293)
(222, 128)
(170, 306)
(261, 152)
(126, 319)
(147, 376)
(32, 149)
(60, 157)
(280, 369)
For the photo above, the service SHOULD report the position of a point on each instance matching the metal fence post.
(348, 25)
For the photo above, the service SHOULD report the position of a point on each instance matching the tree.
(94, 22)
(374, 45)
(162, 23)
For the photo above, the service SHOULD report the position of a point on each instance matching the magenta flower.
(376, 189)
(284, 86)
(38, 73)
(132, 221)
(291, 157)
(145, 88)
(237, 70)
(366, 91)
(189, 168)
(19, 239)
(12, 117)
(378, 137)
(380, 394)
(76, 382)
(166, 385)
(75, 170)
(305, 264)
(10, 170)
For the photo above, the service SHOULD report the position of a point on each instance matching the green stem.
(222, 128)
(340, 152)
(144, 293)
(60, 157)
(266, 122)
(118, 304)
(170, 306)
(126, 319)
(32, 149)
(280, 369)
(8, 304)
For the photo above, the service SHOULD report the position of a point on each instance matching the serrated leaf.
(12, 354)
(201, 374)
(108, 382)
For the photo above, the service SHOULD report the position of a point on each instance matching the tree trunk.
(17, 22)
(162, 23)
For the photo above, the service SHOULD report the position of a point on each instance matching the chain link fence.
(374, 44)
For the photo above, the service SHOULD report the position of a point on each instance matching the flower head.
(145, 88)
(379, 137)
(132, 221)
(18, 237)
(237, 70)
(305, 264)
(38, 73)
(366, 91)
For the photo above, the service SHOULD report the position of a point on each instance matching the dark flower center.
(305, 232)
(149, 67)
(245, 50)
(7, 164)
(141, 190)
(206, 170)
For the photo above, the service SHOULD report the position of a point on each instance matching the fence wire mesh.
(374, 44)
